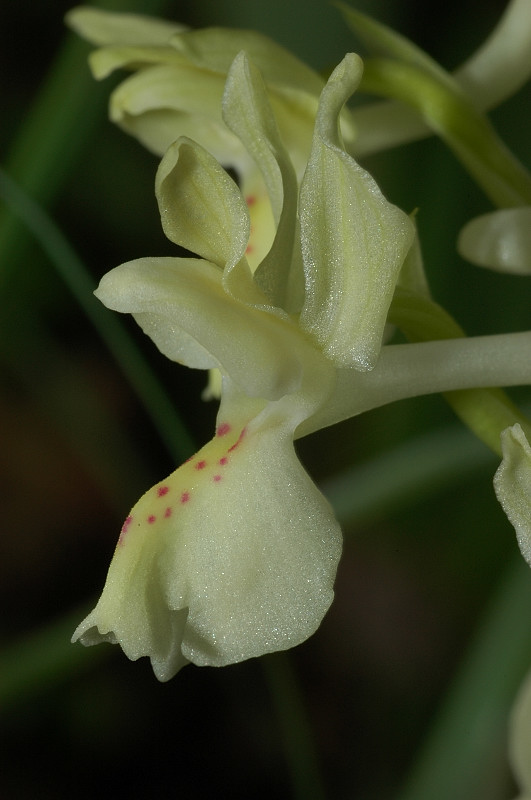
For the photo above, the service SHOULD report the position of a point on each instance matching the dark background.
(77, 449)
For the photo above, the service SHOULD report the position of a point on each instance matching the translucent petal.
(179, 87)
(106, 60)
(160, 103)
(181, 304)
(203, 210)
(232, 556)
(214, 49)
(512, 484)
(500, 240)
(201, 207)
(353, 241)
(247, 111)
(105, 27)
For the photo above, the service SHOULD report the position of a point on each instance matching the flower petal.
(105, 27)
(353, 241)
(214, 49)
(182, 305)
(201, 207)
(500, 240)
(106, 60)
(180, 100)
(512, 483)
(247, 111)
(234, 555)
(203, 210)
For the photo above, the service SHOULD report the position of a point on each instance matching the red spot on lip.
(162, 490)
(223, 429)
(249, 248)
(240, 437)
(201, 465)
(216, 478)
(250, 200)
(167, 513)
(125, 528)
(151, 519)
(223, 461)
(185, 497)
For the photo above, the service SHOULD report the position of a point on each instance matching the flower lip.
(257, 579)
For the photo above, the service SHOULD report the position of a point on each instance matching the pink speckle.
(162, 490)
(240, 437)
(151, 519)
(216, 478)
(185, 497)
(250, 200)
(167, 513)
(223, 429)
(223, 461)
(201, 465)
(125, 528)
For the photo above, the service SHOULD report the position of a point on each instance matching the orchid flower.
(177, 87)
(235, 553)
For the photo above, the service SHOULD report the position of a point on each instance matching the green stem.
(487, 412)
(465, 130)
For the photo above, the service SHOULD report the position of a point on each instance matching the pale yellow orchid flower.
(235, 553)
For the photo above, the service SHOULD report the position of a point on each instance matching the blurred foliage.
(421, 564)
